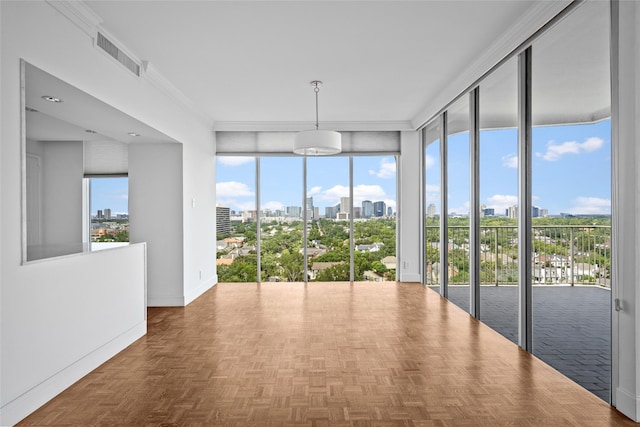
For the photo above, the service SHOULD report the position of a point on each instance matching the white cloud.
(233, 189)
(369, 192)
(235, 160)
(237, 205)
(432, 193)
(500, 202)
(556, 151)
(429, 161)
(460, 210)
(314, 191)
(510, 161)
(331, 196)
(591, 205)
(387, 169)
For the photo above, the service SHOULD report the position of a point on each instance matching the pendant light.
(317, 142)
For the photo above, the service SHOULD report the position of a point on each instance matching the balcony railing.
(562, 254)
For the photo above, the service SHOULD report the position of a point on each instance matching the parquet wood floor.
(323, 354)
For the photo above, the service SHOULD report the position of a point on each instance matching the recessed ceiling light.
(134, 134)
(51, 98)
(89, 131)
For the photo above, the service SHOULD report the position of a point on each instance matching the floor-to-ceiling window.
(237, 216)
(571, 189)
(281, 255)
(328, 253)
(498, 185)
(544, 183)
(457, 244)
(286, 218)
(432, 208)
(374, 218)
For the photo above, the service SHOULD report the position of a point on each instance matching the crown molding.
(78, 13)
(90, 22)
(530, 22)
(153, 76)
(300, 126)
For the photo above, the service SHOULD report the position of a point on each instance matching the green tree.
(337, 273)
(242, 269)
(292, 265)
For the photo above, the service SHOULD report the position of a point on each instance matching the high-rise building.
(489, 212)
(100, 215)
(331, 212)
(294, 211)
(535, 212)
(357, 212)
(431, 210)
(389, 211)
(223, 220)
(107, 213)
(544, 212)
(367, 209)
(379, 208)
(316, 212)
(310, 208)
(512, 212)
(345, 203)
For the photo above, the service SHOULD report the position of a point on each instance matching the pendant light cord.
(316, 90)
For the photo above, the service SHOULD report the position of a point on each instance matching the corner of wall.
(194, 294)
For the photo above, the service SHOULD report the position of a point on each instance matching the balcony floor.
(571, 327)
(323, 354)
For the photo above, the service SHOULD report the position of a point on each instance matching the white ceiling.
(79, 117)
(245, 63)
(242, 61)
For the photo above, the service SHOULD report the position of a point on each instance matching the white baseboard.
(409, 277)
(165, 301)
(628, 404)
(29, 401)
(204, 287)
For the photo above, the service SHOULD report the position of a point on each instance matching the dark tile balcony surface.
(571, 327)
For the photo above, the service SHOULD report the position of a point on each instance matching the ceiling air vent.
(118, 55)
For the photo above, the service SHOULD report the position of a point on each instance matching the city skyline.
(571, 170)
(327, 181)
(571, 174)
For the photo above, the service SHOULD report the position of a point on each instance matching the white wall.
(155, 217)
(625, 204)
(64, 317)
(64, 292)
(408, 267)
(199, 219)
(62, 173)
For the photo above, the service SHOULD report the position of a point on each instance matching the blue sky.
(571, 170)
(571, 174)
(281, 181)
(110, 193)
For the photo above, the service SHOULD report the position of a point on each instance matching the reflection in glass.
(499, 199)
(432, 204)
(109, 211)
(458, 202)
(571, 182)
